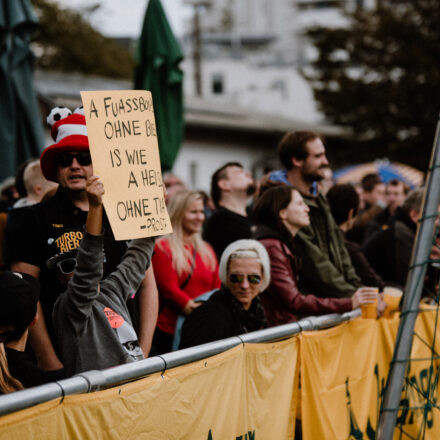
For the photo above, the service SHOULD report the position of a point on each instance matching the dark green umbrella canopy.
(159, 55)
(21, 132)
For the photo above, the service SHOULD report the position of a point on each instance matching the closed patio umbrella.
(158, 71)
(21, 131)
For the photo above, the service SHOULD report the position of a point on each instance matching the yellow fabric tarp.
(251, 392)
(248, 392)
(423, 378)
(343, 375)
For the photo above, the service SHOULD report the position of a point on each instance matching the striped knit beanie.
(69, 132)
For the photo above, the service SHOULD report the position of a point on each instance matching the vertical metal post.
(413, 291)
(197, 52)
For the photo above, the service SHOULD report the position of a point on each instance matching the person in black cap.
(19, 295)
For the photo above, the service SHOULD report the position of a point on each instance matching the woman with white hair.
(235, 308)
(184, 266)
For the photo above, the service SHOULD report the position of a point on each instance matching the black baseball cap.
(19, 294)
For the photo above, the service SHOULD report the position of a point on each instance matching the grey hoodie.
(92, 324)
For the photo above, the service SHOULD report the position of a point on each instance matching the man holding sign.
(55, 226)
(92, 323)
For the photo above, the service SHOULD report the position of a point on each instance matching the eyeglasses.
(238, 278)
(67, 266)
(65, 159)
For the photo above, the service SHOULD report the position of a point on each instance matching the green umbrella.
(21, 132)
(159, 55)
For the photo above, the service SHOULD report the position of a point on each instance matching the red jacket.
(172, 298)
(282, 300)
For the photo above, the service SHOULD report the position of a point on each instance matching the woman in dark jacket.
(235, 308)
(279, 214)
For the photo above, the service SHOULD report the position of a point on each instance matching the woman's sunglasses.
(65, 159)
(238, 278)
(67, 266)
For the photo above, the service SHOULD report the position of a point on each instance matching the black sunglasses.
(238, 278)
(67, 266)
(65, 159)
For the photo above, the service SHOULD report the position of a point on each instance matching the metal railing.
(99, 379)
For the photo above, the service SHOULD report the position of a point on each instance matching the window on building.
(217, 84)
(305, 5)
(193, 171)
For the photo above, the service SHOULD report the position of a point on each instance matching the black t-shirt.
(224, 227)
(53, 227)
(13, 232)
(22, 368)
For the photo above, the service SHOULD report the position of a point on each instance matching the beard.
(312, 176)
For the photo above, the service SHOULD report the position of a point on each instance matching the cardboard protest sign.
(125, 154)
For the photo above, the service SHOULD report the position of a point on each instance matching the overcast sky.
(124, 18)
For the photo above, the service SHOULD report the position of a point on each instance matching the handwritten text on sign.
(125, 154)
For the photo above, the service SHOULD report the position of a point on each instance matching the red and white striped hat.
(69, 131)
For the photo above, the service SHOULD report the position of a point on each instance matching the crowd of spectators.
(72, 298)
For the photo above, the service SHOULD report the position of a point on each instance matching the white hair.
(245, 249)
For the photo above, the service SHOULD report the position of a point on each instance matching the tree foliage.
(67, 42)
(381, 76)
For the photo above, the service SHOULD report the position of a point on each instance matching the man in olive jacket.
(326, 268)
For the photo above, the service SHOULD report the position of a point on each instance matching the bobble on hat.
(56, 114)
(79, 111)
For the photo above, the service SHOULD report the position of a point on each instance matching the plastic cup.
(369, 311)
(392, 297)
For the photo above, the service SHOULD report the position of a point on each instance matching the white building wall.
(197, 162)
(267, 79)
(274, 90)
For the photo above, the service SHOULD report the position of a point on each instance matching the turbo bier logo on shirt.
(69, 241)
(66, 242)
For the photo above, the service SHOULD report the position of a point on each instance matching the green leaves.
(381, 77)
(65, 41)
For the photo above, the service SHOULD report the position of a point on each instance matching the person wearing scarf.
(235, 308)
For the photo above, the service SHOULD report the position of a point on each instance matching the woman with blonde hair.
(8, 384)
(184, 265)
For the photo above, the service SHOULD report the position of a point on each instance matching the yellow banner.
(250, 392)
(246, 393)
(343, 376)
(423, 381)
